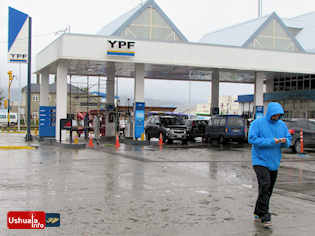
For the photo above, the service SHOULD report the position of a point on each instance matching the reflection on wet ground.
(151, 191)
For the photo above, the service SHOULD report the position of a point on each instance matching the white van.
(4, 119)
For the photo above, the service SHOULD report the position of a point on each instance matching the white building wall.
(228, 105)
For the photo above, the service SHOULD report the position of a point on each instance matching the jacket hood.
(273, 109)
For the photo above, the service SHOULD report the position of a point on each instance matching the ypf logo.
(120, 48)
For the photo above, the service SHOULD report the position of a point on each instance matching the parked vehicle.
(196, 128)
(226, 128)
(4, 119)
(171, 127)
(308, 128)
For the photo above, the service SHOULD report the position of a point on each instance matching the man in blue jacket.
(267, 135)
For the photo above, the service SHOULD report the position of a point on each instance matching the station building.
(145, 44)
(295, 91)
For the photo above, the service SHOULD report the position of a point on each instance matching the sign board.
(259, 112)
(215, 111)
(120, 48)
(65, 124)
(139, 119)
(18, 36)
(109, 107)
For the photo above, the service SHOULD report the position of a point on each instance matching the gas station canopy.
(87, 55)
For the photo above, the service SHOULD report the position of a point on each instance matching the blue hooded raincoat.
(262, 134)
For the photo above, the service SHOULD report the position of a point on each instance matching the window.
(293, 85)
(172, 121)
(150, 25)
(35, 98)
(222, 122)
(306, 84)
(235, 121)
(300, 83)
(273, 36)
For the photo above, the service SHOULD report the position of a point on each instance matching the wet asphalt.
(136, 190)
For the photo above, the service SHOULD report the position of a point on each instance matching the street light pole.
(29, 76)
(9, 94)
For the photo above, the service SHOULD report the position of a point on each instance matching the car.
(295, 127)
(226, 128)
(4, 118)
(196, 128)
(171, 127)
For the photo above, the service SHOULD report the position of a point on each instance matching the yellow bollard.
(142, 137)
(76, 139)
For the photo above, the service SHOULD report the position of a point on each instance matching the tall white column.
(110, 83)
(215, 89)
(139, 83)
(110, 97)
(61, 97)
(138, 90)
(44, 89)
(259, 90)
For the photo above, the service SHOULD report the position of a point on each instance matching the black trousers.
(266, 181)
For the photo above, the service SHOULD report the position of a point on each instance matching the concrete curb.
(72, 145)
(135, 142)
(17, 147)
(13, 132)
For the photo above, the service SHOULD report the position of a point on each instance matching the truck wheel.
(147, 135)
(240, 141)
(184, 142)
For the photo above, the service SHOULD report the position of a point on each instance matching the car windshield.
(301, 124)
(311, 125)
(235, 121)
(172, 121)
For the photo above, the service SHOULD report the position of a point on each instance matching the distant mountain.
(151, 102)
(15, 93)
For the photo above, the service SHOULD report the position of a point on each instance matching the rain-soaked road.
(151, 191)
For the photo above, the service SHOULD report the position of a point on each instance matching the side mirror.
(158, 123)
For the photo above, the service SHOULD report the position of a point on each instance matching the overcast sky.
(193, 18)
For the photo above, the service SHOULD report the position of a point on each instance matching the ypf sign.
(18, 36)
(121, 48)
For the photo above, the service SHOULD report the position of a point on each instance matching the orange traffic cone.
(91, 145)
(302, 141)
(161, 139)
(117, 145)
